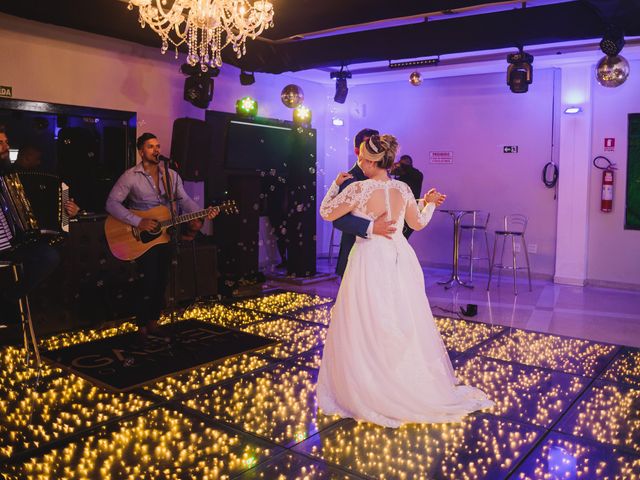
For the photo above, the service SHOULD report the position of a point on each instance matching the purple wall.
(473, 116)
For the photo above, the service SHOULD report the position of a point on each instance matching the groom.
(349, 224)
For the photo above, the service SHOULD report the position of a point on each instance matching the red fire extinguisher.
(606, 197)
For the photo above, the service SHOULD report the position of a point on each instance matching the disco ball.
(612, 71)
(292, 96)
(415, 79)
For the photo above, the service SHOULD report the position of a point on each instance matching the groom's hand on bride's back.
(342, 177)
(384, 227)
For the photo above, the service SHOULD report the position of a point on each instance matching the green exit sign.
(6, 91)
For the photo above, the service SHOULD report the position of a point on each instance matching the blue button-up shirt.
(136, 189)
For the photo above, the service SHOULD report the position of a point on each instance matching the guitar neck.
(186, 218)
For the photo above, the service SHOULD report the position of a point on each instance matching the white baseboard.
(576, 282)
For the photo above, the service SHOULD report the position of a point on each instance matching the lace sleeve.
(416, 218)
(335, 205)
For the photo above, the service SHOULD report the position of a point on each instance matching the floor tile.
(461, 335)
(479, 447)
(580, 357)
(562, 457)
(321, 314)
(294, 337)
(278, 404)
(285, 302)
(607, 413)
(625, 368)
(223, 314)
(522, 393)
(161, 443)
(31, 416)
(183, 383)
(291, 466)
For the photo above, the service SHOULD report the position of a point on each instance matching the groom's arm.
(354, 225)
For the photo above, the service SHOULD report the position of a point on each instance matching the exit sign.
(509, 149)
(6, 91)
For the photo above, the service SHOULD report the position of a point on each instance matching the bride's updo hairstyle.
(381, 149)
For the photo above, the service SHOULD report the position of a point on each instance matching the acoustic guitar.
(128, 243)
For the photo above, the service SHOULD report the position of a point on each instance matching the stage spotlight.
(198, 91)
(247, 107)
(302, 115)
(247, 78)
(612, 42)
(341, 85)
(520, 71)
(198, 86)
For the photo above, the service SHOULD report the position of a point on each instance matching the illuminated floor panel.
(461, 335)
(254, 416)
(14, 372)
(158, 444)
(59, 406)
(478, 447)
(294, 337)
(607, 413)
(564, 457)
(569, 355)
(290, 466)
(184, 383)
(276, 404)
(223, 315)
(525, 394)
(320, 315)
(285, 302)
(625, 369)
(310, 359)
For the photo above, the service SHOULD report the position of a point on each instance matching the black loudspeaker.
(301, 221)
(203, 258)
(78, 158)
(237, 235)
(190, 148)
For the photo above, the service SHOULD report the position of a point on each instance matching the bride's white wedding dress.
(384, 360)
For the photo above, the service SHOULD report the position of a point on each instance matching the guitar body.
(127, 242)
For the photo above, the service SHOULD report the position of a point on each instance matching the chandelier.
(206, 26)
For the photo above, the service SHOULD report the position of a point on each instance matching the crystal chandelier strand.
(206, 26)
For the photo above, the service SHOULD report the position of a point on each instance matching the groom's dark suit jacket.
(350, 225)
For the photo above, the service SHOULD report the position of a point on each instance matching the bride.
(384, 360)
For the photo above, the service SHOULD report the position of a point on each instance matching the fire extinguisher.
(606, 197)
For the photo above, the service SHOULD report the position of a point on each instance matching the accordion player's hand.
(71, 207)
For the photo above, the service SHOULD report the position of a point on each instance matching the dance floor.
(565, 409)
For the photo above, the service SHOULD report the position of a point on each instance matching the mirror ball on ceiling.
(292, 96)
(612, 71)
(415, 79)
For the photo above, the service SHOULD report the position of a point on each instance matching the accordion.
(32, 206)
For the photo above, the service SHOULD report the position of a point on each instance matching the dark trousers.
(153, 273)
(407, 231)
(38, 260)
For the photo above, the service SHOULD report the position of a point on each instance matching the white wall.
(613, 253)
(472, 116)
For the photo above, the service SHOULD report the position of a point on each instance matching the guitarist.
(140, 188)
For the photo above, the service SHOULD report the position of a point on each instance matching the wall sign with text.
(441, 157)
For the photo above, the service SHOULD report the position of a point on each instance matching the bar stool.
(514, 226)
(25, 316)
(475, 221)
(332, 244)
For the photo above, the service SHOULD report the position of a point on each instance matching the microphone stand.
(174, 237)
